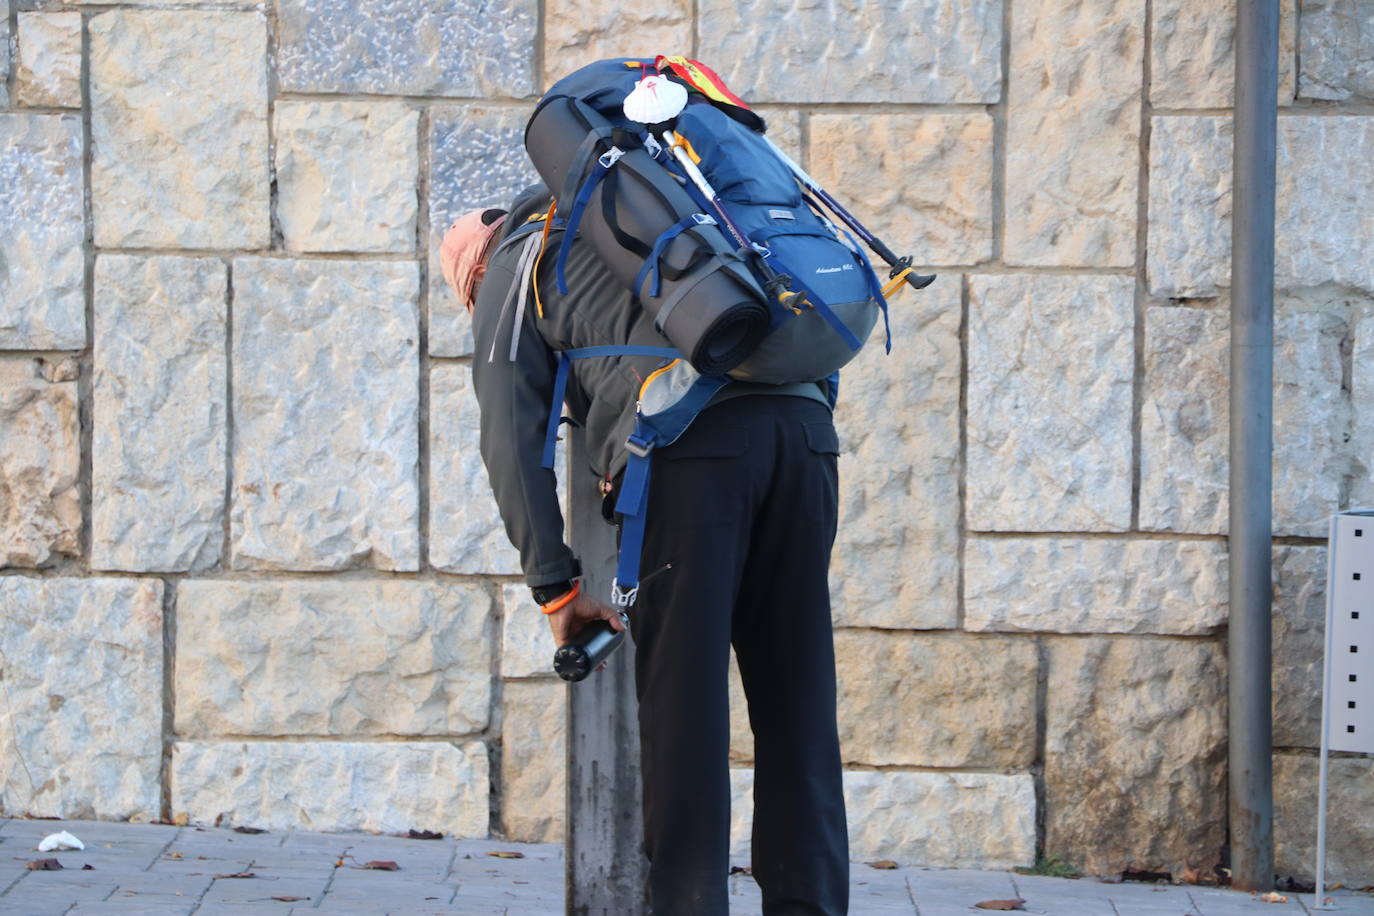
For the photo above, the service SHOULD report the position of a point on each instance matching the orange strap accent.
(534, 277)
(558, 604)
(687, 146)
(896, 282)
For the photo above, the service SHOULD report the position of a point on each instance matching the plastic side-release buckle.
(610, 157)
(623, 598)
(636, 444)
(704, 219)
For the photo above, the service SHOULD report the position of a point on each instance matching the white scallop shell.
(655, 99)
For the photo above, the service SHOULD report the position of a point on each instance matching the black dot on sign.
(1350, 704)
(1354, 648)
(1352, 678)
(1354, 615)
(1359, 532)
(1357, 577)
(1350, 728)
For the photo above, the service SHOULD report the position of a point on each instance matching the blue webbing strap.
(560, 387)
(625, 588)
(825, 311)
(560, 384)
(584, 196)
(874, 286)
(650, 267)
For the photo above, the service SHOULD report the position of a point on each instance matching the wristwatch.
(544, 594)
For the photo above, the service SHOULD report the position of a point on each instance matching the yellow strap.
(687, 145)
(896, 282)
(543, 246)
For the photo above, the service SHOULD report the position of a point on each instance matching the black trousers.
(742, 516)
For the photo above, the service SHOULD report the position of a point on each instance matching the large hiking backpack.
(794, 305)
(778, 294)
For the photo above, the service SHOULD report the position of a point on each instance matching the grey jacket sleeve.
(514, 400)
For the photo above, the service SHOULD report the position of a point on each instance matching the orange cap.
(463, 253)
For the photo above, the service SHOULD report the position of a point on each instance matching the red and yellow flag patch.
(702, 78)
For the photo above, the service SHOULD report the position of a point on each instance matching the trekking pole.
(899, 265)
(655, 102)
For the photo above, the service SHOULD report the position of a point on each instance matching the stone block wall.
(250, 568)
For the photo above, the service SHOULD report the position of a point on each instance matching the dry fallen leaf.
(885, 864)
(382, 865)
(88, 867)
(44, 865)
(249, 830)
(1273, 897)
(1014, 904)
(1190, 874)
(425, 834)
(741, 870)
(505, 854)
(237, 874)
(174, 855)
(287, 898)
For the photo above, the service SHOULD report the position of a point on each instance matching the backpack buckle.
(623, 598)
(704, 219)
(610, 157)
(639, 446)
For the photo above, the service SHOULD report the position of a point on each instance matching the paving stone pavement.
(163, 870)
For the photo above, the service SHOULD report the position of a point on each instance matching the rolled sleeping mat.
(707, 303)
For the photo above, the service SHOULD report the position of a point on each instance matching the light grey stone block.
(1135, 753)
(42, 233)
(1051, 366)
(1185, 421)
(935, 700)
(1067, 585)
(950, 820)
(333, 657)
(158, 454)
(922, 183)
(164, 172)
(1073, 132)
(533, 760)
(1362, 401)
(335, 785)
(1337, 50)
(1190, 187)
(892, 51)
(895, 562)
(465, 530)
(326, 414)
(477, 159)
(40, 456)
(1192, 53)
(83, 677)
(1350, 832)
(407, 47)
(1299, 625)
(48, 70)
(527, 644)
(346, 175)
(1323, 233)
(580, 32)
(5, 61)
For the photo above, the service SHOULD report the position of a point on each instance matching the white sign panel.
(1350, 629)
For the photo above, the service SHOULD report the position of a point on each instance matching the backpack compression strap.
(560, 383)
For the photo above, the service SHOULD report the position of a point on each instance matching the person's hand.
(577, 613)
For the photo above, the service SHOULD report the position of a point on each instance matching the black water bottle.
(593, 644)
